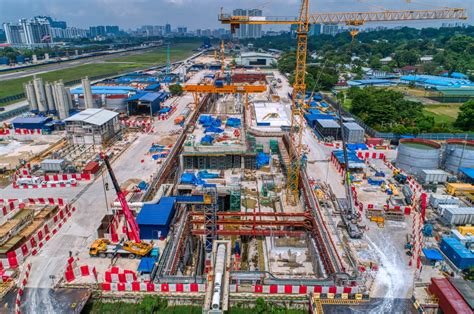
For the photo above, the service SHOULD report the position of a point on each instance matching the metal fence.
(391, 136)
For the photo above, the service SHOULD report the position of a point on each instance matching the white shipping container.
(437, 200)
(442, 208)
(52, 165)
(433, 176)
(459, 216)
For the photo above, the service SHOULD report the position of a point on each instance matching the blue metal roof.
(190, 199)
(31, 120)
(153, 86)
(150, 97)
(157, 214)
(432, 254)
(146, 264)
(469, 172)
(99, 90)
(137, 96)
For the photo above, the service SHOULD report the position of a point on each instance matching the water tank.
(415, 155)
(458, 154)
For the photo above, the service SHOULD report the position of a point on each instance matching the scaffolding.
(210, 214)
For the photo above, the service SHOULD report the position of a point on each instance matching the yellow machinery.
(105, 248)
(303, 22)
(466, 229)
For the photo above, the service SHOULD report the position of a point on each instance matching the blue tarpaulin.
(314, 111)
(213, 129)
(357, 147)
(146, 264)
(190, 178)
(206, 175)
(262, 160)
(164, 110)
(233, 122)
(156, 148)
(354, 161)
(432, 254)
(208, 121)
(207, 139)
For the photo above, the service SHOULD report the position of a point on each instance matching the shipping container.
(91, 168)
(154, 219)
(353, 133)
(53, 165)
(457, 253)
(437, 200)
(374, 141)
(458, 188)
(449, 299)
(463, 239)
(458, 216)
(466, 229)
(428, 176)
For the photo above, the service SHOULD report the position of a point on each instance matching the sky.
(195, 13)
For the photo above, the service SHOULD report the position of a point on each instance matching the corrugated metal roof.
(93, 116)
(156, 214)
(434, 171)
(31, 120)
(465, 288)
(328, 123)
(150, 97)
(353, 126)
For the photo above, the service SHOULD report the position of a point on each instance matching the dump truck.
(105, 248)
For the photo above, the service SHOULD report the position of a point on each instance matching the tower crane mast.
(303, 21)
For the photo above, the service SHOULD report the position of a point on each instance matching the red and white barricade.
(302, 289)
(151, 287)
(21, 287)
(38, 240)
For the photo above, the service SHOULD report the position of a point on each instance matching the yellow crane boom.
(303, 21)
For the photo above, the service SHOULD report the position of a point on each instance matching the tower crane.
(303, 22)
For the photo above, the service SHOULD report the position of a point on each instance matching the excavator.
(132, 248)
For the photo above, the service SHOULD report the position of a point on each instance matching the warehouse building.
(31, 123)
(255, 59)
(145, 103)
(92, 127)
(154, 220)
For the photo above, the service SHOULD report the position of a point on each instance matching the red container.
(374, 141)
(450, 301)
(91, 168)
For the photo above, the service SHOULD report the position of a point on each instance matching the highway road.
(65, 65)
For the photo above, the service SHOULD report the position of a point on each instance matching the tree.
(465, 119)
(176, 90)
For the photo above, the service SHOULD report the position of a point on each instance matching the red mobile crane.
(132, 248)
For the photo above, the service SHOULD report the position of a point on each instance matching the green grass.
(158, 56)
(444, 114)
(133, 62)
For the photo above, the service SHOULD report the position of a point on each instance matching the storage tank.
(49, 97)
(414, 155)
(40, 94)
(31, 96)
(458, 154)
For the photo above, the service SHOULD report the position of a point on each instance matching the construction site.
(231, 191)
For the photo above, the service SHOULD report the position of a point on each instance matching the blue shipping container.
(154, 219)
(457, 253)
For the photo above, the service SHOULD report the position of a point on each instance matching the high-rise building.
(14, 33)
(97, 31)
(329, 29)
(37, 31)
(167, 28)
(112, 29)
(53, 23)
(248, 31)
(182, 29)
